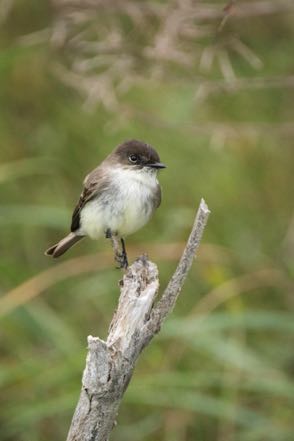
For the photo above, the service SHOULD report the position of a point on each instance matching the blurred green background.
(215, 97)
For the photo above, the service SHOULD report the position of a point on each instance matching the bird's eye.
(133, 158)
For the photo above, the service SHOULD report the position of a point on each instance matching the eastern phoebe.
(118, 198)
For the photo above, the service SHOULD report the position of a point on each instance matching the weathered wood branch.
(110, 364)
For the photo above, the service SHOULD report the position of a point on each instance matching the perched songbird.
(118, 198)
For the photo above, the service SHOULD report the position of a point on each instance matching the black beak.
(157, 165)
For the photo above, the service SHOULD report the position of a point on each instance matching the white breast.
(126, 207)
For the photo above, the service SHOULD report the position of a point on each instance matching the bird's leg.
(120, 255)
(124, 253)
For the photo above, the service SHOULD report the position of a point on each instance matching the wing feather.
(94, 183)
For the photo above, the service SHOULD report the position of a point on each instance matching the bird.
(118, 198)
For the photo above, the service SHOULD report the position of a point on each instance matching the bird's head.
(137, 155)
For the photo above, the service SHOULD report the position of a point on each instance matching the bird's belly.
(123, 213)
(134, 215)
(134, 207)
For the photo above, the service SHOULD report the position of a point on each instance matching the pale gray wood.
(110, 364)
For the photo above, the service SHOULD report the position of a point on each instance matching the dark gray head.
(137, 154)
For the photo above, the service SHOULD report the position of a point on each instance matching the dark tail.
(63, 245)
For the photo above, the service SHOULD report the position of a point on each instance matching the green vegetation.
(222, 367)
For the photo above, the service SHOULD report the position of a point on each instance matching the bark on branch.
(110, 364)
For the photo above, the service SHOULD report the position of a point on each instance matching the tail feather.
(63, 245)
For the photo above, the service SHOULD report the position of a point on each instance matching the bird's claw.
(122, 260)
(120, 255)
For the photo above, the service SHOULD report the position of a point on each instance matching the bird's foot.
(121, 260)
(124, 253)
(121, 257)
(120, 254)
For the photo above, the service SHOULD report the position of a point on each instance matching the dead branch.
(110, 364)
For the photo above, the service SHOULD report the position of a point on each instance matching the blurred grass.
(220, 372)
